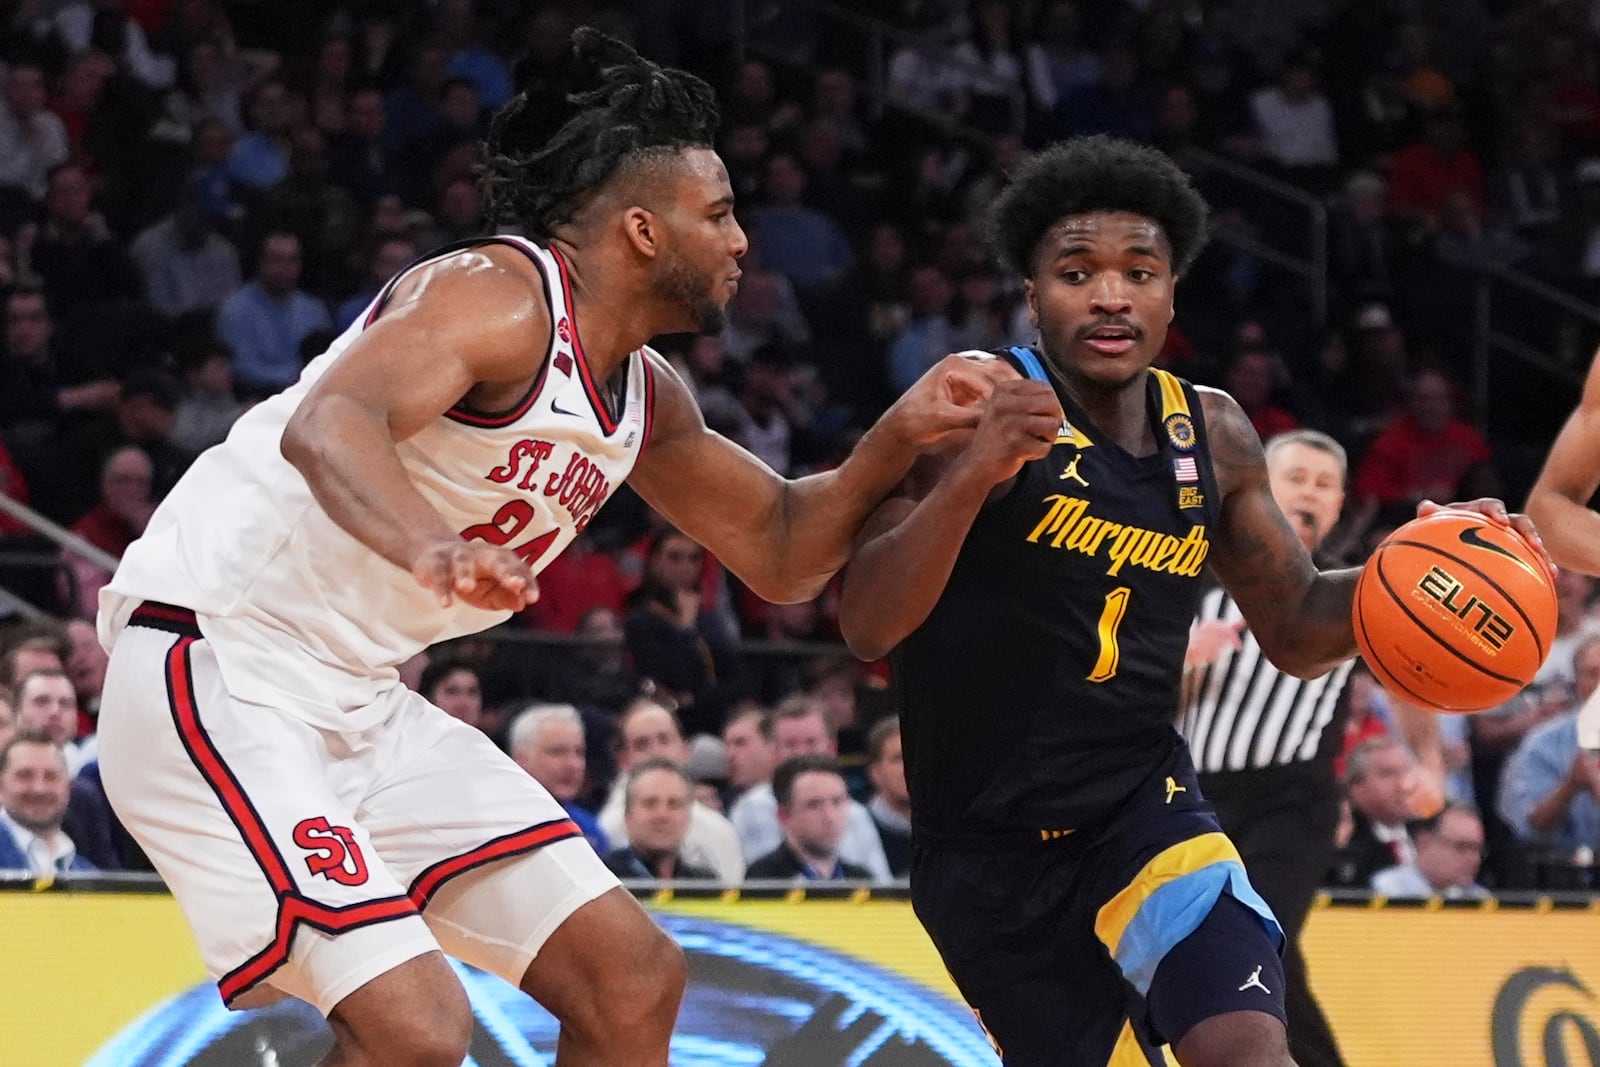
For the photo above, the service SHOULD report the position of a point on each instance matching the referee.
(1264, 742)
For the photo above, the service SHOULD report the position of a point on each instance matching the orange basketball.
(1454, 612)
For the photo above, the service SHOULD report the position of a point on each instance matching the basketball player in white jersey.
(1559, 504)
(325, 830)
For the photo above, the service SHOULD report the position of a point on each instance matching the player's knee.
(433, 1033)
(643, 994)
(439, 1041)
(1236, 1039)
(657, 979)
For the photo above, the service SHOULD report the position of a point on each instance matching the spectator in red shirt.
(1570, 98)
(15, 486)
(1423, 174)
(575, 583)
(1426, 455)
(1369, 714)
(1252, 378)
(112, 524)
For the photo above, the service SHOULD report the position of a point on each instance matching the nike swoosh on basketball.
(559, 410)
(1471, 536)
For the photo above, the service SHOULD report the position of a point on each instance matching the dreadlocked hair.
(1090, 174)
(569, 130)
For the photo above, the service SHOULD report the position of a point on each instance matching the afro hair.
(1091, 174)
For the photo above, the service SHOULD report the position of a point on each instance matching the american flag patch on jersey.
(1185, 469)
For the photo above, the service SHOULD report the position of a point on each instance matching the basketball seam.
(1421, 626)
(1377, 660)
(1509, 599)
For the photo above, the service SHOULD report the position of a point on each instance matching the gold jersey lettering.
(1068, 525)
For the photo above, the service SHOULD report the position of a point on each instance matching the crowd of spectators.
(196, 195)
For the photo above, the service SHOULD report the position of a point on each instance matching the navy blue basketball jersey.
(1040, 691)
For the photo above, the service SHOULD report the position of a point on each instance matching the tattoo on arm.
(1299, 615)
(1260, 555)
(1258, 542)
(1236, 450)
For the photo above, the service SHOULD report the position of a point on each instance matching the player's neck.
(612, 309)
(1116, 410)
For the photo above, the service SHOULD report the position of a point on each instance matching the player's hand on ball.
(1495, 511)
(948, 399)
(483, 575)
(1019, 423)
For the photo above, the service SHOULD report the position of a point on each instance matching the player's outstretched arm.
(783, 538)
(1300, 616)
(1559, 501)
(477, 316)
(909, 547)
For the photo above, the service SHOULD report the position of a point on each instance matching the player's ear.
(1032, 297)
(643, 230)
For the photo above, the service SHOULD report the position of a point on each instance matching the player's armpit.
(1300, 616)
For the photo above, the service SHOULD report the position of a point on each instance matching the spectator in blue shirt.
(265, 321)
(1550, 790)
(928, 337)
(458, 33)
(547, 741)
(1449, 853)
(260, 159)
(798, 242)
(34, 789)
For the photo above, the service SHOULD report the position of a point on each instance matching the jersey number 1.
(1105, 667)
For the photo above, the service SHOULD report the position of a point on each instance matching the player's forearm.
(1570, 531)
(820, 515)
(1318, 636)
(897, 578)
(347, 456)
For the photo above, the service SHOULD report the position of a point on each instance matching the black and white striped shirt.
(1245, 713)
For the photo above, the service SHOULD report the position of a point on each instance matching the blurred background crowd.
(197, 195)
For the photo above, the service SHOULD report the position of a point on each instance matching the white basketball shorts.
(313, 861)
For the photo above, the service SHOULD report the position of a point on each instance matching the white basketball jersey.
(306, 618)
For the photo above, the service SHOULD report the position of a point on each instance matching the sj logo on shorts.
(334, 853)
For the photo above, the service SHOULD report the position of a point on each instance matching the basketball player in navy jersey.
(326, 831)
(1034, 594)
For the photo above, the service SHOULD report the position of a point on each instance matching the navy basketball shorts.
(1100, 947)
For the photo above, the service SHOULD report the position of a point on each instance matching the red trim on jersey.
(426, 884)
(292, 908)
(166, 617)
(380, 301)
(607, 423)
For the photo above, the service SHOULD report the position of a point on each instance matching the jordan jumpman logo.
(1255, 980)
